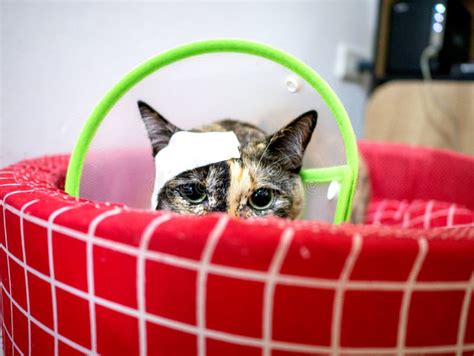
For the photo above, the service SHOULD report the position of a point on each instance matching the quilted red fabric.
(79, 277)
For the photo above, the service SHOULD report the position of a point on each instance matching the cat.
(263, 181)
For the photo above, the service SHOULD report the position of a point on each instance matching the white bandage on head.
(188, 150)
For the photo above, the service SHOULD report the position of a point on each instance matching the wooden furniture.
(436, 114)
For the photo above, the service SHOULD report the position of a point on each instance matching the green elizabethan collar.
(346, 174)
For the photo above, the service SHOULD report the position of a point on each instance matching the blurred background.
(59, 58)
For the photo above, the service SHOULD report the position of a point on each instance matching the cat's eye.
(261, 199)
(195, 193)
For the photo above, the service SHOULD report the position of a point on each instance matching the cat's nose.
(233, 208)
(234, 213)
(241, 214)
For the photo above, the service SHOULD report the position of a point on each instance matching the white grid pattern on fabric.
(403, 204)
(231, 338)
(90, 273)
(6, 247)
(141, 280)
(425, 217)
(387, 206)
(378, 213)
(463, 319)
(232, 272)
(241, 273)
(206, 257)
(406, 299)
(15, 346)
(457, 226)
(440, 214)
(23, 250)
(221, 335)
(406, 219)
(349, 264)
(451, 212)
(269, 292)
(52, 272)
(43, 327)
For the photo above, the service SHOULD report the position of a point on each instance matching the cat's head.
(263, 181)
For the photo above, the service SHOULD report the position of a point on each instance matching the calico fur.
(270, 162)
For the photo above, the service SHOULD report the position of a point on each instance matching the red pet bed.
(80, 277)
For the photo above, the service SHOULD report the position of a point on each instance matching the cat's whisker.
(281, 159)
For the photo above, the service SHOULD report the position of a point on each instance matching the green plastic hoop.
(345, 174)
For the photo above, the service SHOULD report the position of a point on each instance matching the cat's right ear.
(159, 129)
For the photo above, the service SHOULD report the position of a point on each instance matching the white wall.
(58, 59)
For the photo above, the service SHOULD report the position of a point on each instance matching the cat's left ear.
(287, 146)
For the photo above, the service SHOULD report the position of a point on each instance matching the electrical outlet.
(347, 63)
